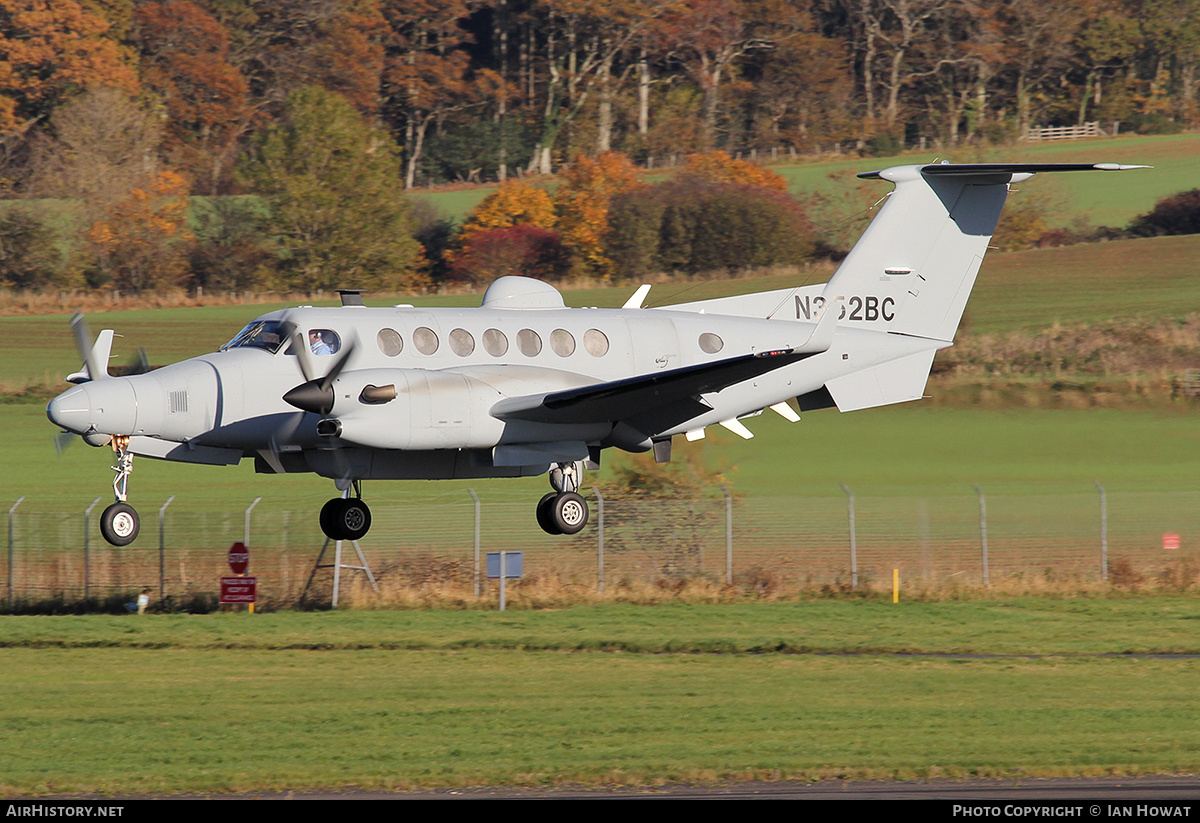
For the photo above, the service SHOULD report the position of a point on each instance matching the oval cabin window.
(710, 343)
(562, 342)
(495, 343)
(390, 342)
(595, 342)
(529, 343)
(461, 342)
(426, 340)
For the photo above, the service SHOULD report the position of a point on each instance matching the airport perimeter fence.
(839, 542)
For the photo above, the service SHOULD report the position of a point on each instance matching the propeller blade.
(340, 362)
(299, 341)
(140, 364)
(94, 354)
(62, 440)
(83, 343)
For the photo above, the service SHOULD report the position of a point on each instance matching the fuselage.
(444, 370)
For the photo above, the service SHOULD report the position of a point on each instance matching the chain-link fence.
(841, 540)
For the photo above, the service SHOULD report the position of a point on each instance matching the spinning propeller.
(316, 393)
(95, 354)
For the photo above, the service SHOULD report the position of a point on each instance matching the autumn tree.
(282, 47)
(709, 36)
(338, 215)
(581, 205)
(719, 167)
(142, 240)
(428, 72)
(186, 61)
(515, 203)
(50, 49)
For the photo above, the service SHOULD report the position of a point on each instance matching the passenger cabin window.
(426, 340)
(461, 342)
(324, 341)
(562, 342)
(390, 342)
(595, 342)
(495, 343)
(529, 343)
(710, 343)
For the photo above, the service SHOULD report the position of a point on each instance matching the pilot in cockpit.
(317, 343)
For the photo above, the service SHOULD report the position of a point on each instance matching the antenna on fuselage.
(351, 297)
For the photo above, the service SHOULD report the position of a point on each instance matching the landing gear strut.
(346, 518)
(563, 511)
(119, 523)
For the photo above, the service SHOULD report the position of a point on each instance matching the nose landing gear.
(563, 511)
(119, 523)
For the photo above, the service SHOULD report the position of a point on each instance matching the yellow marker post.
(895, 585)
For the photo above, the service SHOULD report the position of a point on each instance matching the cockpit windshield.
(261, 334)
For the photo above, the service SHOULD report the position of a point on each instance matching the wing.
(661, 400)
(663, 396)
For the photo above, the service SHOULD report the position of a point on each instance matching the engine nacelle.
(413, 409)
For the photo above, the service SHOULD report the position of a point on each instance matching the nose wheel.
(120, 524)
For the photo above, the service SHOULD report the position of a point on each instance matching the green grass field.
(1114, 201)
(596, 695)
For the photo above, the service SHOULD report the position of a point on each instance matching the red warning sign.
(238, 589)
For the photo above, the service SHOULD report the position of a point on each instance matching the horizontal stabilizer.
(896, 381)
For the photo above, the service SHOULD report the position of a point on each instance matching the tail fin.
(913, 269)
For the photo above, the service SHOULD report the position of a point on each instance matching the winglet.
(635, 299)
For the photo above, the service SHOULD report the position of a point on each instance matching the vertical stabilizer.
(912, 271)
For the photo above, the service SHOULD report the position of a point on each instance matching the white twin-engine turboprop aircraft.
(524, 385)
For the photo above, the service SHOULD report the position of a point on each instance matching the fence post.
(162, 550)
(475, 497)
(87, 556)
(11, 514)
(599, 540)
(983, 532)
(728, 536)
(853, 543)
(246, 531)
(1103, 531)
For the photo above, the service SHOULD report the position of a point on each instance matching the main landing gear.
(119, 523)
(563, 511)
(346, 518)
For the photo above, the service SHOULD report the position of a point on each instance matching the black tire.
(345, 518)
(120, 524)
(570, 512)
(545, 515)
(329, 518)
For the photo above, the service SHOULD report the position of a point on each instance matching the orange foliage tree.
(515, 203)
(142, 240)
(49, 49)
(719, 167)
(186, 59)
(582, 203)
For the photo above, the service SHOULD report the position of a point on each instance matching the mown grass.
(239, 703)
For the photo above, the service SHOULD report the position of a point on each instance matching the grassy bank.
(374, 700)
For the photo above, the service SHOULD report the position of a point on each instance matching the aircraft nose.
(71, 410)
(107, 406)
